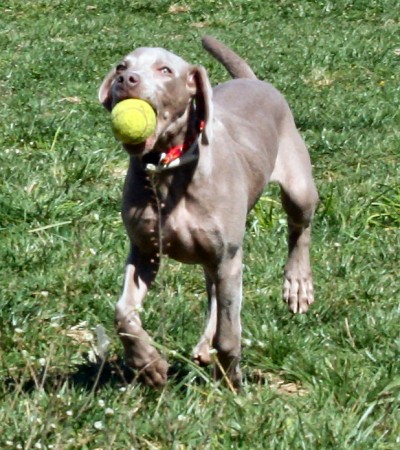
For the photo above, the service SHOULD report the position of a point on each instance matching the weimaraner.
(190, 186)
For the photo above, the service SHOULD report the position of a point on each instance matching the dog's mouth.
(148, 145)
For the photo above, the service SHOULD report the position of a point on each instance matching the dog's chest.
(175, 232)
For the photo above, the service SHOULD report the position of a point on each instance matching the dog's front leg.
(228, 281)
(202, 351)
(139, 353)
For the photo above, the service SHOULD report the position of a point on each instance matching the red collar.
(179, 150)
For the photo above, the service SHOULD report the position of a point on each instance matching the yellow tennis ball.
(133, 121)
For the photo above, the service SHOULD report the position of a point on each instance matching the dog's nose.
(129, 79)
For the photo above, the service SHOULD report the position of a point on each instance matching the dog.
(190, 186)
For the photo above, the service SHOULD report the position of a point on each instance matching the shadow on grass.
(114, 373)
(90, 376)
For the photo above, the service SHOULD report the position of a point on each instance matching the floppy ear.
(105, 97)
(199, 86)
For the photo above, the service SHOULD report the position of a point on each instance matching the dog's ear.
(105, 97)
(199, 86)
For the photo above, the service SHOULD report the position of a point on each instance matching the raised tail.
(233, 63)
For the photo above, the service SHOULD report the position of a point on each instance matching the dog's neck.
(177, 155)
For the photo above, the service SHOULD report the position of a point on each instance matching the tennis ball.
(133, 121)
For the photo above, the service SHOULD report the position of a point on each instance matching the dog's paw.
(151, 367)
(202, 353)
(298, 292)
(154, 374)
(231, 375)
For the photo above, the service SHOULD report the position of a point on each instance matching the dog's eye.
(166, 70)
(120, 67)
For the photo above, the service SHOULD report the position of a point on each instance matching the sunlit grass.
(327, 380)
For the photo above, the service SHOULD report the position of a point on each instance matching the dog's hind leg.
(298, 290)
(299, 199)
(139, 353)
(201, 353)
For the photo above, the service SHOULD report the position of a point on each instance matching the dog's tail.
(233, 63)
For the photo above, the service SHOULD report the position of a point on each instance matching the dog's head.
(180, 94)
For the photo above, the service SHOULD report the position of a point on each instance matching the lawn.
(327, 380)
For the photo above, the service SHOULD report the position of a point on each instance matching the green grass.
(329, 380)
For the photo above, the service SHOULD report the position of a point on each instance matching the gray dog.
(190, 186)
